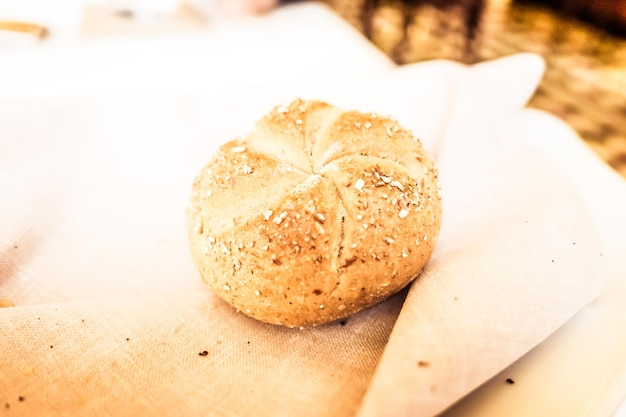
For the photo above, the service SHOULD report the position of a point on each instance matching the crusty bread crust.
(315, 215)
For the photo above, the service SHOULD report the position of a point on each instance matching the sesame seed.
(226, 287)
(267, 214)
(403, 213)
(398, 185)
(246, 169)
(209, 193)
(359, 184)
(225, 250)
(319, 228)
(365, 225)
(299, 122)
(417, 241)
(341, 307)
(278, 219)
(368, 125)
(321, 306)
(236, 264)
(257, 293)
(282, 109)
(266, 247)
(389, 131)
(238, 149)
(404, 255)
(211, 239)
(359, 217)
(319, 217)
(389, 240)
(385, 179)
(357, 124)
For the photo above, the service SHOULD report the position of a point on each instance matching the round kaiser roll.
(315, 215)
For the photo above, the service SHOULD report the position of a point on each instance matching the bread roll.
(315, 215)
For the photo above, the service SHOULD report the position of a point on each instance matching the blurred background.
(582, 41)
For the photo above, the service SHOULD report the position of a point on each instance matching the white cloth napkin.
(111, 317)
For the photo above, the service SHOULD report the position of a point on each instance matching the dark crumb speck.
(343, 322)
(7, 405)
(21, 398)
(350, 261)
(573, 243)
(127, 339)
(203, 353)
(456, 298)
(423, 364)
(51, 346)
(552, 261)
(248, 342)
(317, 291)
(14, 246)
(125, 13)
(510, 381)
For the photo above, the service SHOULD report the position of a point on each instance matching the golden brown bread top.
(315, 215)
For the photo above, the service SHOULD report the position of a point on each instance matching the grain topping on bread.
(314, 215)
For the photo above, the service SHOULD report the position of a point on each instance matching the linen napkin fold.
(133, 331)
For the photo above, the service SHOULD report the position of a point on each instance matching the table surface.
(585, 81)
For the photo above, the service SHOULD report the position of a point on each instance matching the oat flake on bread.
(315, 215)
